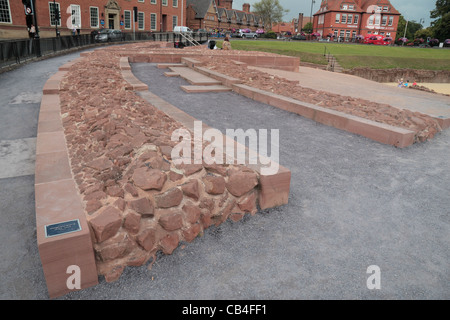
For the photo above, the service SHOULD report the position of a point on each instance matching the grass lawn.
(354, 55)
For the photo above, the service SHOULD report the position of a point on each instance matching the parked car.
(108, 35)
(377, 40)
(447, 43)
(182, 29)
(298, 37)
(245, 34)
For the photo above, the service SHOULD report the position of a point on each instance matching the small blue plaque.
(61, 228)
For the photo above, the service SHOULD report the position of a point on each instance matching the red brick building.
(347, 19)
(88, 15)
(219, 14)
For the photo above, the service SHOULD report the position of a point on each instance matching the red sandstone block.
(58, 202)
(52, 87)
(124, 64)
(331, 118)
(50, 142)
(444, 123)
(198, 89)
(274, 188)
(52, 166)
(50, 102)
(380, 132)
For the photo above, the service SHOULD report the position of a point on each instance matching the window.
(321, 19)
(53, 8)
(350, 19)
(127, 19)
(153, 1)
(174, 22)
(152, 21)
(164, 2)
(355, 21)
(351, 7)
(353, 34)
(5, 12)
(338, 17)
(140, 0)
(341, 34)
(335, 33)
(76, 15)
(377, 20)
(369, 32)
(140, 20)
(385, 8)
(347, 34)
(344, 18)
(391, 21)
(175, 3)
(384, 20)
(344, 7)
(94, 17)
(388, 34)
(371, 20)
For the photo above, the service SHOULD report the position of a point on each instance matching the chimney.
(246, 7)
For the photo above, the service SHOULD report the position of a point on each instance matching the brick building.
(347, 19)
(219, 14)
(88, 15)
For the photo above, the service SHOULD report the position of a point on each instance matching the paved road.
(21, 275)
(353, 203)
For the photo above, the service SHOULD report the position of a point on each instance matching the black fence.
(18, 51)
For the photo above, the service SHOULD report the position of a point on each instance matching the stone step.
(168, 65)
(198, 89)
(194, 77)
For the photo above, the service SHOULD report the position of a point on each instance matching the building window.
(369, 32)
(140, 0)
(355, 21)
(371, 20)
(350, 19)
(347, 34)
(388, 34)
(76, 15)
(152, 1)
(391, 21)
(344, 18)
(5, 12)
(141, 20)
(341, 34)
(164, 2)
(351, 7)
(321, 19)
(174, 22)
(152, 21)
(384, 21)
(353, 34)
(175, 3)
(53, 8)
(94, 17)
(344, 7)
(338, 17)
(385, 8)
(377, 20)
(127, 19)
(335, 34)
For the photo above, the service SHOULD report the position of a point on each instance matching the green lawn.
(354, 55)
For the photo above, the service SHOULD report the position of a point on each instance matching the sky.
(410, 9)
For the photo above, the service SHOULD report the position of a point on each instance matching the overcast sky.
(410, 9)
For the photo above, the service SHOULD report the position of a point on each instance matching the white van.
(181, 29)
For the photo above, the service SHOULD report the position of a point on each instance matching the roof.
(200, 7)
(360, 5)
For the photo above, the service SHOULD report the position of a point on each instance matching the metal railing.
(330, 59)
(21, 50)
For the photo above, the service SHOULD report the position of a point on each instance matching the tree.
(423, 33)
(308, 28)
(270, 10)
(441, 26)
(411, 29)
(442, 8)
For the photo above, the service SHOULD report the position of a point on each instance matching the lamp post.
(404, 34)
(310, 17)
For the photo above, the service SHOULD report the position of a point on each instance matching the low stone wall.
(392, 75)
(131, 199)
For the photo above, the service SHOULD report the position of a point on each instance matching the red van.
(377, 39)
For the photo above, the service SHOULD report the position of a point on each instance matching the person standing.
(32, 31)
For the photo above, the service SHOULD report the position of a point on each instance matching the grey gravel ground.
(353, 203)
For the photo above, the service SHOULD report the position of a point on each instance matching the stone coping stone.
(194, 77)
(380, 132)
(57, 199)
(199, 89)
